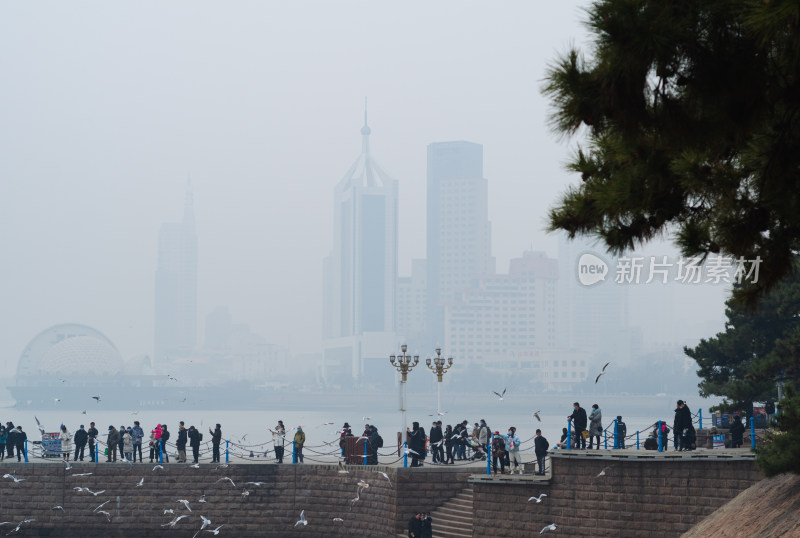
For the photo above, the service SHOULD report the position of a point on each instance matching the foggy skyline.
(108, 109)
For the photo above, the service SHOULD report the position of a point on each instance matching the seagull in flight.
(95, 493)
(202, 499)
(169, 511)
(102, 505)
(386, 476)
(550, 527)
(185, 503)
(14, 478)
(602, 372)
(338, 519)
(409, 451)
(326, 424)
(302, 520)
(537, 417)
(214, 531)
(20, 525)
(97, 398)
(245, 493)
(83, 412)
(56, 400)
(108, 516)
(366, 418)
(81, 474)
(195, 466)
(538, 499)
(58, 508)
(39, 425)
(500, 394)
(158, 467)
(174, 521)
(206, 522)
(228, 479)
(603, 472)
(68, 466)
(141, 483)
(256, 483)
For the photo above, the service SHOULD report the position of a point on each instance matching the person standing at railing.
(164, 439)
(677, 432)
(737, 432)
(578, 418)
(194, 441)
(127, 444)
(216, 439)
(683, 419)
(498, 452)
(540, 446)
(181, 443)
(92, 434)
(595, 426)
(279, 438)
(137, 434)
(11, 441)
(19, 441)
(416, 442)
(81, 437)
(299, 441)
(512, 449)
(435, 437)
(66, 442)
(3, 440)
(448, 444)
(112, 440)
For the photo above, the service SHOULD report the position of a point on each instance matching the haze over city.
(109, 111)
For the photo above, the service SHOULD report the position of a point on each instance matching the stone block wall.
(656, 498)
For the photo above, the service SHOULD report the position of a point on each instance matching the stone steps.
(454, 518)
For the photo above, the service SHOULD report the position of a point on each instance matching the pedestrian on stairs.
(426, 528)
(415, 526)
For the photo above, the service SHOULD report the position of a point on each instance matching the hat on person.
(346, 425)
(111, 427)
(497, 433)
(81, 425)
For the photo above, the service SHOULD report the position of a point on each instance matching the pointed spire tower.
(361, 272)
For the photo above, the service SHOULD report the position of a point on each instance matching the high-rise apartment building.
(412, 293)
(458, 227)
(176, 286)
(361, 273)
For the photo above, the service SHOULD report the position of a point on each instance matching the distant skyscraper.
(459, 231)
(412, 293)
(176, 286)
(361, 272)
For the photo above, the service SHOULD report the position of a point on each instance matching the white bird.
(95, 493)
(195, 466)
(141, 483)
(602, 372)
(174, 521)
(14, 478)
(58, 508)
(228, 479)
(362, 437)
(500, 394)
(342, 469)
(169, 511)
(79, 489)
(326, 424)
(81, 474)
(221, 466)
(536, 415)
(366, 418)
(185, 503)
(256, 483)
(97, 398)
(550, 527)
(68, 466)
(538, 499)
(362, 484)
(602, 472)
(56, 400)
(108, 516)
(39, 425)
(20, 525)
(102, 505)
(206, 522)
(202, 499)
(245, 493)
(214, 531)
(303, 520)
(158, 467)
(386, 476)
(409, 451)
(338, 519)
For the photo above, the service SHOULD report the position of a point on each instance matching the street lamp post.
(403, 364)
(439, 368)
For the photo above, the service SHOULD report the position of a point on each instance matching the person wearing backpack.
(498, 452)
(194, 441)
(216, 439)
(416, 442)
(164, 439)
(375, 442)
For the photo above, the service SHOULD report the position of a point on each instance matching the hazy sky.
(107, 107)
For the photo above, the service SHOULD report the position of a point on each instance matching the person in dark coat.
(81, 438)
(436, 437)
(578, 418)
(540, 446)
(448, 444)
(164, 438)
(216, 439)
(415, 526)
(112, 442)
(737, 432)
(92, 433)
(194, 441)
(416, 442)
(375, 442)
(19, 441)
(685, 428)
(498, 453)
(180, 444)
(11, 441)
(426, 526)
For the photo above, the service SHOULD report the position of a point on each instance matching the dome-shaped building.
(69, 350)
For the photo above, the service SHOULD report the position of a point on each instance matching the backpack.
(199, 436)
(165, 436)
(379, 441)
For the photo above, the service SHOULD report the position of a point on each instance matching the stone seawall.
(269, 509)
(636, 497)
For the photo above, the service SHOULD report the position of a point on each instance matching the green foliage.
(781, 452)
(691, 112)
(758, 347)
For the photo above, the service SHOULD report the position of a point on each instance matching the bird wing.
(604, 366)
(498, 394)
(598, 377)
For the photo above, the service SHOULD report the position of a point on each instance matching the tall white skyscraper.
(176, 286)
(458, 227)
(361, 273)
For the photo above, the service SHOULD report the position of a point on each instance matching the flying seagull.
(206, 522)
(386, 476)
(185, 503)
(20, 525)
(409, 451)
(56, 400)
(81, 474)
(97, 398)
(338, 519)
(256, 483)
(158, 467)
(68, 466)
(214, 531)
(58, 508)
(102, 505)
(602, 472)
(536, 415)
(602, 372)
(302, 520)
(95, 493)
(202, 499)
(228, 479)
(141, 483)
(538, 499)
(245, 493)
(500, 394)
(174, 521)
(550, 527)
(39, 425)
(366, 418)
(14, 478)
(169, 511)
(108, 516)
